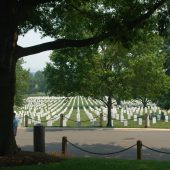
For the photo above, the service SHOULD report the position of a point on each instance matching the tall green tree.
(164, 100)
(72, 24)
(110, 72)
(150, 80)
(104, 74)
(110, 76)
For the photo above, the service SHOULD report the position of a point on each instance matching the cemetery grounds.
(85, 112)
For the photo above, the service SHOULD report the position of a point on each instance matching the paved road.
(102, 140)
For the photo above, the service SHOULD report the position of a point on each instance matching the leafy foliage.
(164, 100)
(150, 80)
(110, 70)
(82, 19)
(21, 83)
(68, 70)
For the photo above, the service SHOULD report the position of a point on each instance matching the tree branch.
(103, 100)
(84, 13)
(145, 16)
(58, 44)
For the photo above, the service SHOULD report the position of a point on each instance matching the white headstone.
(154, 120)
(125, 123)
(158, 117)
(140, 121)
(29, 121)
(117, 116)
(49, 123)
(166, 119)
(135, 118)
(148, 121)
(129, 116)
(122, 118)
(64, 123)
(112, 122)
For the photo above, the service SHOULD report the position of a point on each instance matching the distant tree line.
(28, 83)
(36, 83)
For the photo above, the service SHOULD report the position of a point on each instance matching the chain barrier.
(155, 150)
(70, 119)
(43, 120)
(97, 153)
(53, 118)
(37, 120)
(80, 121)
(90, 119)
(64, 117)
(83, 121)
(124, 119)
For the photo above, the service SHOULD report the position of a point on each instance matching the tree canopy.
(150, 80)
(76, 24)
(102, 72)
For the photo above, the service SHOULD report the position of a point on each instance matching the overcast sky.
(38, 61)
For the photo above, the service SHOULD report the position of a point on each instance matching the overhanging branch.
(58, 44)
(65, 43)
(145, 16)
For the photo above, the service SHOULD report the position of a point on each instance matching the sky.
(38, 61)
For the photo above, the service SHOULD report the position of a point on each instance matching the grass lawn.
(97, 164)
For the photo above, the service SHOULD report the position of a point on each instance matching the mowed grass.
(97, 164)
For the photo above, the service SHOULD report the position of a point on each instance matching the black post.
(101, 119)
(139, 150)
(26, 120)
(64, 145)
(61, 120)
(39, 138)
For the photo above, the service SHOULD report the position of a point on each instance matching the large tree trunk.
(7, 140)
(109, 106)
(7, 75)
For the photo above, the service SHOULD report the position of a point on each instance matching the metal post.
(39, 138)
(61, 120)
(101, 119)
(64, 145)
(139, 150)
(26, 120)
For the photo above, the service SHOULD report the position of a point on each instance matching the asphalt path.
(102, 141)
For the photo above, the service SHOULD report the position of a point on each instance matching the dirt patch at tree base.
(30, 158)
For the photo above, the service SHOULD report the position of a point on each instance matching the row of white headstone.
(51, 108)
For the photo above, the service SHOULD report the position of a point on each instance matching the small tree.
(150, 80)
